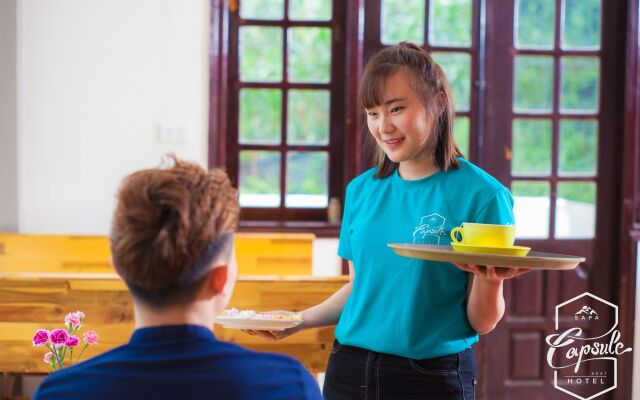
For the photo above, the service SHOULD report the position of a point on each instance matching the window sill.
(321, 229)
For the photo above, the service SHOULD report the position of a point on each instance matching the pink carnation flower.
(41, 337)
(47, 357)
(74, 319)
(59, 337)
(72, 341)
(90, 337)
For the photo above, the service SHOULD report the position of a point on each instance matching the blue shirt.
(181, 362)
(403, 306)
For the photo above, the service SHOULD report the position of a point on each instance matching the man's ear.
(217, 279)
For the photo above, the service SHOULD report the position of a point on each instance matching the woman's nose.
(385, 125)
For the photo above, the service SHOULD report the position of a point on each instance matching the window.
(555, 117)
(285, 106)
(292, 141)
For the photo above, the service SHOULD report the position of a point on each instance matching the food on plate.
(250, 314)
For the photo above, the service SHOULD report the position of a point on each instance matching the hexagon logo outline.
(593, 396)
(593, 296)
(614, 360)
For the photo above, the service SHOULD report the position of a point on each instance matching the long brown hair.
(164, 220)
(428, 81)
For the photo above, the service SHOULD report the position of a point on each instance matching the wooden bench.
(256, 253)
(32, 301)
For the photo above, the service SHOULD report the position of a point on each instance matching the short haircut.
(166, 220)
(428, 80)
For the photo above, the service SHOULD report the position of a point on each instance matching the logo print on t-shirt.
(430, 230)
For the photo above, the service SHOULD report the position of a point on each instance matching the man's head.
(172, 234)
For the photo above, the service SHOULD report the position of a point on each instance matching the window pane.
(578, 147)
(457, 67)
(579, 87)
(307, 174)
(259, 178)
(535, 23)
(305, 10)
(461, 133)
(531, 147)
(531, 209)
(450, 23)
(260, 116)
(260, 54)
(581, 25)
(308, 117)
(309, 55)
(262, 9)
(402, 20)
(533, 86)
(576, 210)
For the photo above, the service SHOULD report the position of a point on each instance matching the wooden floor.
(29, 301)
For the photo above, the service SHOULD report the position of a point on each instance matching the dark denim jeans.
(354, 373)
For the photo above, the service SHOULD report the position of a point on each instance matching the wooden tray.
(533, 260)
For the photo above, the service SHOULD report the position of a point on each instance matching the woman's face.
(401, 125)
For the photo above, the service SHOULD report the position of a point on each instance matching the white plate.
(256, 323)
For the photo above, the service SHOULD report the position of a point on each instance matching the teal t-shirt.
(403, 306)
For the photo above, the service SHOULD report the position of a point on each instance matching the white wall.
(325, 257)
(8, 117)
(95, 80)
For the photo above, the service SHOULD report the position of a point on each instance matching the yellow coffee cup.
(484, 235)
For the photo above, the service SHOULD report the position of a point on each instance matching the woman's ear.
(440, 103)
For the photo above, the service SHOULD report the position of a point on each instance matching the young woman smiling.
(406, 327)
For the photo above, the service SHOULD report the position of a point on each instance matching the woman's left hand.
(491, 273)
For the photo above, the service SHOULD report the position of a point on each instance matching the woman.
(405, 327)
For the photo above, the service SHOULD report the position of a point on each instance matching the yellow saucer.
(511, 251)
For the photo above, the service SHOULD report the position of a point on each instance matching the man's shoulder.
(273, 362)
(69, 379)
(269, 369)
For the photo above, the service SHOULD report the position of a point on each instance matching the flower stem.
(81, 351)
(54, 351)
(64, 353)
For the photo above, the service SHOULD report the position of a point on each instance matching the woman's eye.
(372, 114)
(396, 109)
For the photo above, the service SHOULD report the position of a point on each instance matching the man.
(172, 244)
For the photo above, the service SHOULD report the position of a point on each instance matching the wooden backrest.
(265, 253)
(33, 301)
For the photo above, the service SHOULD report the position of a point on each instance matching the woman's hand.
(491, 273)
(276, 335)
(485, 303)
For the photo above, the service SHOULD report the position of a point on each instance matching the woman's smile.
(394, 143)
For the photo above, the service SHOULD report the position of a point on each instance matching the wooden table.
(29, 301)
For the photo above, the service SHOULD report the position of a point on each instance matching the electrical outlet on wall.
(174, 133)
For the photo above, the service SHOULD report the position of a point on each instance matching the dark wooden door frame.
(630, 205)
(218, 78)
(607, 254)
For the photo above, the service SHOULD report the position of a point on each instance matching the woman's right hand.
(276, 335)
